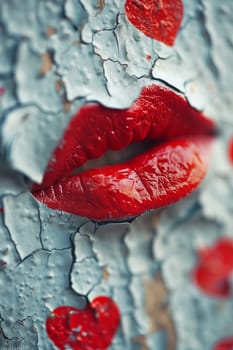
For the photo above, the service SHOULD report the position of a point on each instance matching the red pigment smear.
(89, 329)
(231, 150)
(2, 91)
(1, 210)
(214, 269)
(158, 19)
(226, 344)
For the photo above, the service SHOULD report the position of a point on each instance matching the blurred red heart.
(158, 19)
(226, 344)
(214, 269)
(88, 329)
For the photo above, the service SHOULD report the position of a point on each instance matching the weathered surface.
(54, 57)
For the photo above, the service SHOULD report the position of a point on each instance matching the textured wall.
(55, 56)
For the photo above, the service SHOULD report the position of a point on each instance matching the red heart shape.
(158, 19)
(215, 266)
(91, 328)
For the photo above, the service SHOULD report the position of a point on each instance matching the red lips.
(162, 175)
(158, 19)
(89, 329)
(215, 266)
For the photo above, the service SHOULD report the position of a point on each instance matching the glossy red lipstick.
(162, 175)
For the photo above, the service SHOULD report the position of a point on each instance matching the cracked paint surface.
(54, 57)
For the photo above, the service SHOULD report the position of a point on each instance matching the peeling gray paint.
(7, 96)
(11, 182)
(81, 79)
(158, 341)
(99, 20)
(219, 186)
(27, 240)
(33, 87)
(85, 275)
(36, 285)
(51, 258)
(110, 246)
(57, 228)
(28, 138)
(7, 53)
(24, 23)
(75, 11)
(196, 316)
(133, 53)
(139, 243)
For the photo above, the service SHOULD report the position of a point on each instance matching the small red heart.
(89, 329)
(214, 268)
(158, 19)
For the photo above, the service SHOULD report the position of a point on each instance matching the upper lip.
(161, 176)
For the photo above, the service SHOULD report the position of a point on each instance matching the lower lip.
(157, 178)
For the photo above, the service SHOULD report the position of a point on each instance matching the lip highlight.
(164, 174)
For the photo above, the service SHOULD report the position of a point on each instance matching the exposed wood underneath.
(47, 63)
(158, 310)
